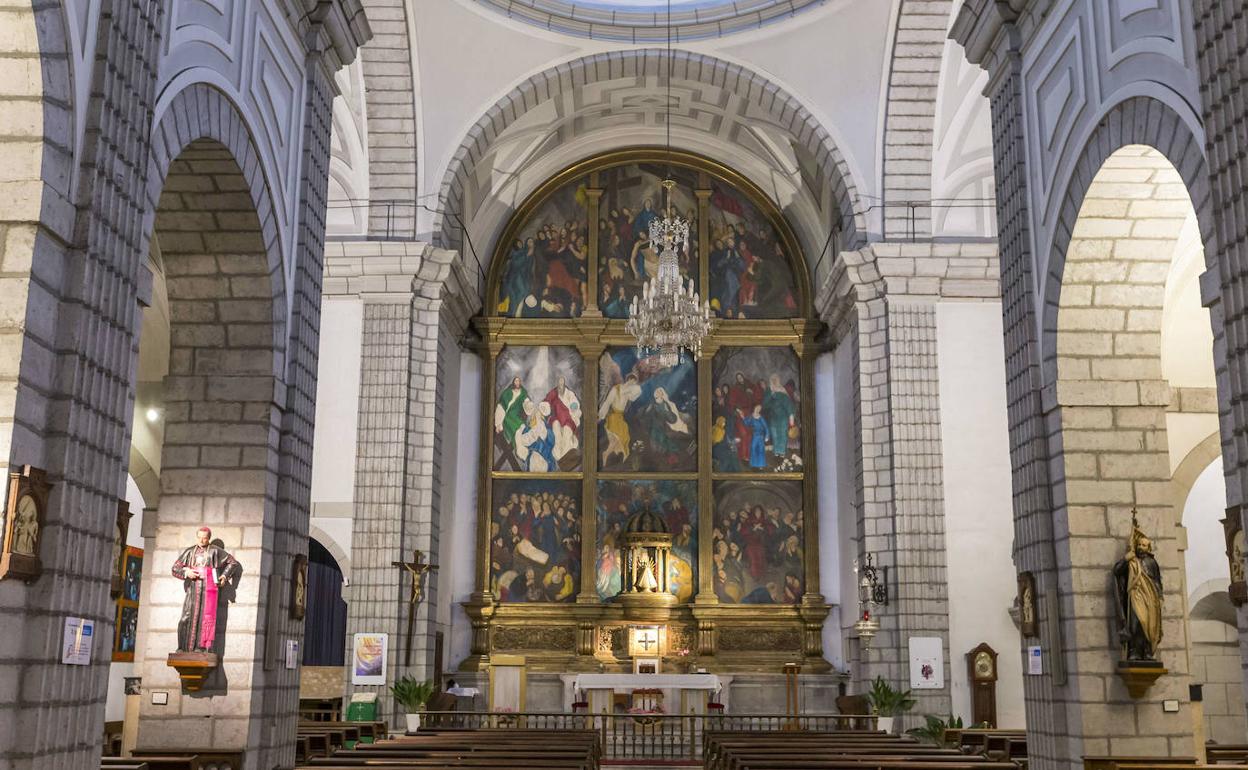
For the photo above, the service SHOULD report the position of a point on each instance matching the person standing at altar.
(204, 569)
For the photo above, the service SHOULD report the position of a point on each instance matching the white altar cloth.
(672, 685)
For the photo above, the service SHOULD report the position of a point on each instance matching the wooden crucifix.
(417, 569)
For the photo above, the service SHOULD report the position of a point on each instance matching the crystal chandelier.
(670, 315)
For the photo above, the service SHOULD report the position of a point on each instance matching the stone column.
(1222, 56)
(405, 289)
(988, 34)
(71, 296)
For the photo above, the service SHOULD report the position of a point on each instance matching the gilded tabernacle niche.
(587, 439)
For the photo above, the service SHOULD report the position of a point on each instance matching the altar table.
(682, 693)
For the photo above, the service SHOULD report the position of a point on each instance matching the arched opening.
(206, 406)
(325, 623)
(1137, 392)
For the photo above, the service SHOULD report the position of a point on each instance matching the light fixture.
(670, 315)
(152, 414)
(872, 591)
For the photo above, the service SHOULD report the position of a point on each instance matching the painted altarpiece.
(639, 437)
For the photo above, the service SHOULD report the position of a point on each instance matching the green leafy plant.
(411, 693)
(887, 702)
(934, 731)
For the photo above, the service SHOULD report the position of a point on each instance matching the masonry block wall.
(220, 459)
(1114, 447)
(70, 310)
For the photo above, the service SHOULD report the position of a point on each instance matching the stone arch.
(1135, 121)
(335, 549)
(910, 116)
(1139, 180)
(202, 113)
(824, 169)
(1193, 464)
(211, 214)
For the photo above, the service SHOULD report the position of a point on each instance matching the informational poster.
(927, 668)
(1035, 666)
(292, 653)
(76, 645)
(368, 658)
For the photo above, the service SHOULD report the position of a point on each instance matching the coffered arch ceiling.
(614, 100)
(646, 21)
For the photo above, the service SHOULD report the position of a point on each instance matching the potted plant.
(412, 695)
(887, 703)
(934, 732)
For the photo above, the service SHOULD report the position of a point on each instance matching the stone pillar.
(885, 307)
(405, 289)
(70, 282)
(1222, 57)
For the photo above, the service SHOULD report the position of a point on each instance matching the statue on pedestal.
(1138, 591)
(203, 568)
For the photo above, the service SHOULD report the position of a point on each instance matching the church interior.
(729, 384)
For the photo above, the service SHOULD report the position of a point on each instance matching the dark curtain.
(325, 620)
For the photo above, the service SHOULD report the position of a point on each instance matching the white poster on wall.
(368, 658)
(927, 668)
(76, 641)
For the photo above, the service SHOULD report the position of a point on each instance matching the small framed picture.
(1027, 623)
(299, 587)
(368, 658)
(23, 524)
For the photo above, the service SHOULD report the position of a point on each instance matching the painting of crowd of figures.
(649, 451)
(546, 267)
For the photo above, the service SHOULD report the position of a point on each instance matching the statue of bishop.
(204, 569)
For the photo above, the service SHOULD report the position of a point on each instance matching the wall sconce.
(872, 590)
(872, 582)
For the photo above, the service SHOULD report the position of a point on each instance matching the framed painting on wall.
(756, 422)
(537, 412)
(545, 272)
(127, 618)
(758, 542)
(648, 414)
(535, 540)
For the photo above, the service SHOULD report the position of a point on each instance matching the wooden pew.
(1234, 753)
(189, 759)
(834, 751)
(1122, 763)
(480, 750)
(122, 763)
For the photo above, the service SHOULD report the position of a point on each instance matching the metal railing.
(645, 736)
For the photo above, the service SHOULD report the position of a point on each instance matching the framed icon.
(1027, 622)
(23, 524)
(299, 587)
(126, 629)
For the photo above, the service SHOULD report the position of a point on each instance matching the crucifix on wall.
(417, 568)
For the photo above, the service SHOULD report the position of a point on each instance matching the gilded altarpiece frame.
(588, 633)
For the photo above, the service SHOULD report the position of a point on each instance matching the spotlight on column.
(153, 414)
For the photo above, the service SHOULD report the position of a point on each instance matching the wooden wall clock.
(981, 668)
(24, 517)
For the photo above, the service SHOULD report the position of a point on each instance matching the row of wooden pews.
(483, 749)
(834, 750)
(321, 738)
(990, 743)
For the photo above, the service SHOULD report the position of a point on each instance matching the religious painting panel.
(647, 414)
(544, 275)
(126, 627)
(751, 276)
(633, 197)
(757, 542)
(677, 502)
(537, 413)
(535, 540)
(756, 422)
